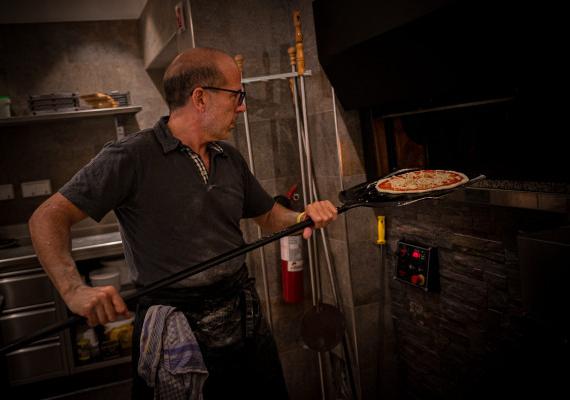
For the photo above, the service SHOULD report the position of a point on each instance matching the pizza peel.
(366, 194)
(362, 195)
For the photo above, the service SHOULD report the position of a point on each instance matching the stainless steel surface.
(27, 288)
(31, 303)
(83, 248)
(16, 325)
(41, 361)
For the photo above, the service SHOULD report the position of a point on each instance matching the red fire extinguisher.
(292, 268)
(291, 258)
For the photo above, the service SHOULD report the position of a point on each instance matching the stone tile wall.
(82, 57)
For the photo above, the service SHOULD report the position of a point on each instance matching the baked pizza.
(424, 180)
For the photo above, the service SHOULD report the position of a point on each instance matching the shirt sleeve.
(104, 184)
(257, 200)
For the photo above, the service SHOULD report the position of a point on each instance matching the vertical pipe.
(301, 71)
(301, 141)
(312, 242)
(239, 61)
(190, 22)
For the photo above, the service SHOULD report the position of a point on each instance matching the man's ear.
(199, 99)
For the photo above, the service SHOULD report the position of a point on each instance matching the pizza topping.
(421, 181)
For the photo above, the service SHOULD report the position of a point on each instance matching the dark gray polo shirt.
(170, 219)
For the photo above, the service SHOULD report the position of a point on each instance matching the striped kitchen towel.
(170, 358)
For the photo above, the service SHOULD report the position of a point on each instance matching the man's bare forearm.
(277, 218)
(50, 232)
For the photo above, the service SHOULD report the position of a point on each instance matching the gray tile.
(362, 225)
(323, 144)
(340, 260)
(274, 148)
(367, 330)
(365, 272)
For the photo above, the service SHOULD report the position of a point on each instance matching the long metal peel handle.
(169, 280)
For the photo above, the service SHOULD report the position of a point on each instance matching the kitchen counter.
(92, 246)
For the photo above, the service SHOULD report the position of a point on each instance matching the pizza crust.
(421, 181)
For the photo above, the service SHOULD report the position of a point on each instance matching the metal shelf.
(100, 112)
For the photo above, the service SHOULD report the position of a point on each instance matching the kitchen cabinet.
(31, 302)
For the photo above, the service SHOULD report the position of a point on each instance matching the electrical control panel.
(416, 265)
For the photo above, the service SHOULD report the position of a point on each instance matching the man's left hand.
(322, 213)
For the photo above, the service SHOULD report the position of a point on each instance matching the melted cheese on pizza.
(421, 181)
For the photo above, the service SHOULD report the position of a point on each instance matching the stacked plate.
(123, 98)
(53, 102)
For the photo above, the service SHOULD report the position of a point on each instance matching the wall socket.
(36, 188)
(6, 192)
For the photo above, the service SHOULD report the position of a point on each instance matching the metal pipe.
(302, 149)
(301, 139)
(190, 22)
(267, 78)
(239, 62)
(312, 241)
(300, 59)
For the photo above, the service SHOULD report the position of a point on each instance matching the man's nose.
(241, 108)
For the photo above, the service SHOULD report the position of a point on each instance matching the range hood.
(397, 55)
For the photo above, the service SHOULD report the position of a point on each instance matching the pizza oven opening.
(503, 138)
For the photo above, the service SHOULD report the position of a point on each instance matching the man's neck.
(188, 133)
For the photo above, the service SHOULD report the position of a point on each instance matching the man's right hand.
(98, 304)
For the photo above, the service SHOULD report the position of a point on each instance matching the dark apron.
(237, 347)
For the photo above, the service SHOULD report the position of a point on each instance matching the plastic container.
(118, 264)
(118, 336)
(106, 277)
(87, 344)
(5, 107)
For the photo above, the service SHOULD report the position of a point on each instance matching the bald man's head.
(190, 69)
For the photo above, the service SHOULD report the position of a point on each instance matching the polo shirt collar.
(164, 136)
(170, 143)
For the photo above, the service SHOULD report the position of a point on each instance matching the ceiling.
(38, 11)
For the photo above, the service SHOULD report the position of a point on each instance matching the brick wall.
(471, 337)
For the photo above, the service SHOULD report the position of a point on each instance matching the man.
(178, 194)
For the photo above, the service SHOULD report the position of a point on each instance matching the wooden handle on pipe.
(300, 59)
(297, 23)
(239, 61)
(299, 43)
(291, 50)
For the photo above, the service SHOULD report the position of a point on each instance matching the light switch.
(36, 188)
(6, 192)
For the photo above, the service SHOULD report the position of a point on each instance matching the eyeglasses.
(240, 93)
